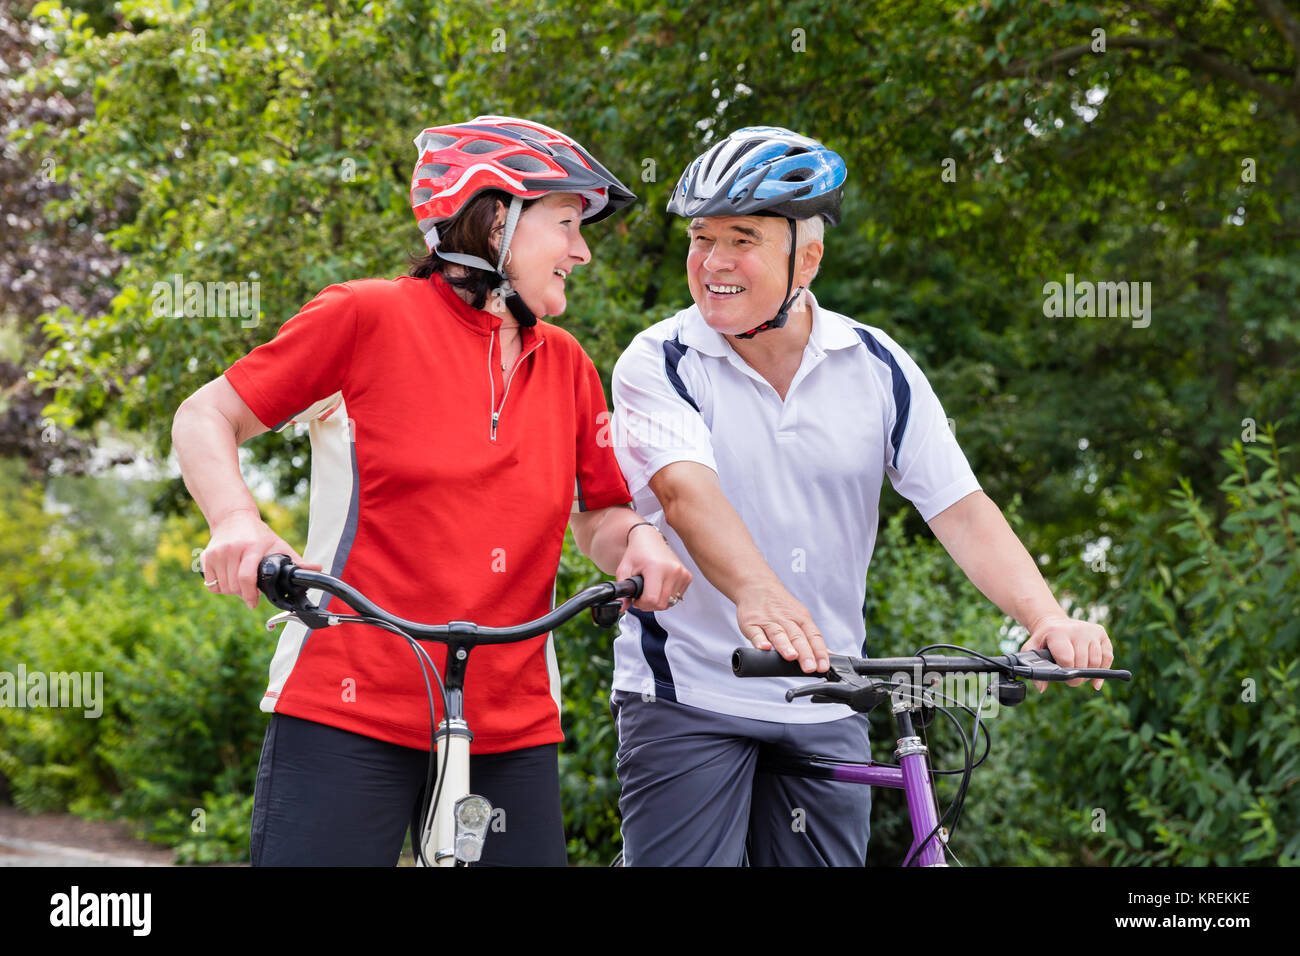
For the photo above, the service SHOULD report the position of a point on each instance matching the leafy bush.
(41, 559)
(1196, 762)
(216, 831)
(588, 757)
(917, 595)
(180, 728)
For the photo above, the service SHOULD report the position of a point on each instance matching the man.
(756, 428)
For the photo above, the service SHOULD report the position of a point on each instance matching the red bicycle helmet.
(520, 157)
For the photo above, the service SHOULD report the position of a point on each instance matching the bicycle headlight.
(473, 814)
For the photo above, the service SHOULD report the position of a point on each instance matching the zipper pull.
(495, 417)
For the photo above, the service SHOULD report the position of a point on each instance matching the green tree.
(993, 147)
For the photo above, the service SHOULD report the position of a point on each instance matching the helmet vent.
(481, 146)
(795, 176)
(524, 163)
(522, 131)
(431, 170)
(437, 140)
(733, 160)
(561, 150)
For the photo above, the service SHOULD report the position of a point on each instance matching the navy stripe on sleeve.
(902, 391)
(673, 353)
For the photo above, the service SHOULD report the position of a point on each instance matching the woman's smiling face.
(546, 246)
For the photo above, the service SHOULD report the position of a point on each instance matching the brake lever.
(311, 619)
(807, 690)
(273, 576)
(860, 695)
(835, 674)
(1039, 665)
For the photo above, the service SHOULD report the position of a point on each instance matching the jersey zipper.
(496, 410)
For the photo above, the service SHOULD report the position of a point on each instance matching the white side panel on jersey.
(331, 528)
(553, 665)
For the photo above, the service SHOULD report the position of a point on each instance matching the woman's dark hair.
(468, 232)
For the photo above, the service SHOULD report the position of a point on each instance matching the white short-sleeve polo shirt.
(804, 474)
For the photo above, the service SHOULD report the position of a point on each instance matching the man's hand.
(1072, 643)
(771, 618)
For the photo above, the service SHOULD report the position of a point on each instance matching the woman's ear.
(498, 226)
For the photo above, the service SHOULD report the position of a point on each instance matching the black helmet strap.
(504, 290)
(779, 320)
(521, 312)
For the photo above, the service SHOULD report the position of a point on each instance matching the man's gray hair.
(806, 231)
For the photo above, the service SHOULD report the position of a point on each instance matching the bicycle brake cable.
(959, 801)
(432, 793)
(988, 743)
(961, 790)
(966, 650)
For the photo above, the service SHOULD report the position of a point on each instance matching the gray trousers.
(691, 795)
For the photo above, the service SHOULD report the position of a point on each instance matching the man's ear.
(812, 257)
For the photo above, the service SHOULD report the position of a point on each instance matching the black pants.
(328, 797)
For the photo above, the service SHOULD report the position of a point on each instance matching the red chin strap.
(778, 320)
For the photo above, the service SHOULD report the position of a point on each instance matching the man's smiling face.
(738, 269)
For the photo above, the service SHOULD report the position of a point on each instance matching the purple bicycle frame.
(908, 693)
(912, 776)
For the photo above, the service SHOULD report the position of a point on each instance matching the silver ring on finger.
(674, 600)
(209, 583)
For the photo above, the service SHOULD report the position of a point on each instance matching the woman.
(453, 438)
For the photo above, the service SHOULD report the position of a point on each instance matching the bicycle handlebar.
(286, 585)
(1035, 665)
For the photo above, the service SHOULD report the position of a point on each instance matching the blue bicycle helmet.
(764, 171)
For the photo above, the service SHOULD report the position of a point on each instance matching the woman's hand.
(238, 543)
(666, 578)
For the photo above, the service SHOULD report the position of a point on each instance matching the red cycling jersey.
(441, 488)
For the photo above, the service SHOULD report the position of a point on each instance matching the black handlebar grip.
(751, 662)
(1084, 673)
(621, 589)
(272, 576)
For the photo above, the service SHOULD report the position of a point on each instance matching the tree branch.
(1072, 53)
(1188, 54)
(1286, 24)
(293, 153)
(1242, 77)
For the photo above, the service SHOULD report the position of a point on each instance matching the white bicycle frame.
(441, 842)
